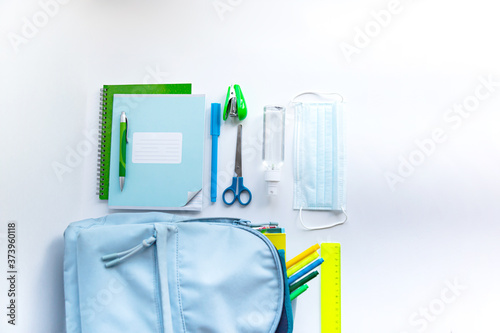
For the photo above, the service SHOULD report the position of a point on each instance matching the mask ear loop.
(324, 226)
(318, 94)
(293, 102)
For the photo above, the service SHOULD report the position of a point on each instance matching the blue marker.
(305, 270)
(214, 132)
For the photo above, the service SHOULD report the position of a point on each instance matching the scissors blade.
(237, 163)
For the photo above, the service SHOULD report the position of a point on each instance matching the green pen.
(297, 292)
(303, 281)
(123, 149)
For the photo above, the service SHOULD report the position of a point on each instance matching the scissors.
(237, 187)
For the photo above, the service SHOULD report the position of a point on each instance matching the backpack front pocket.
(229, 280)
(125, 296)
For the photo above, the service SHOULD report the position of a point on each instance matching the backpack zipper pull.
(117, 258)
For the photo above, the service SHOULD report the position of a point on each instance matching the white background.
(401, 245)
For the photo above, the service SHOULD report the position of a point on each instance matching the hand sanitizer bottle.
(273, 150)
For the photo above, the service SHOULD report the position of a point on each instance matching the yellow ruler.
(330, 288)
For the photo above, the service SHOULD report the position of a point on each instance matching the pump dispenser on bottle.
(273, 150)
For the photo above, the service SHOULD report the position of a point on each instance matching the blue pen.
(214, 132)
(305, 270)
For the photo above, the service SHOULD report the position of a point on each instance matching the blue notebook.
(164, 159)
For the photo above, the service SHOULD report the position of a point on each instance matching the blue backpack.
(156, 272)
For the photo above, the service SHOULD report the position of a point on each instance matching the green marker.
(297, 292)
(303, 281)
(123, 149)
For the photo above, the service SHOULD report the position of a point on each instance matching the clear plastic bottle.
(273, 150)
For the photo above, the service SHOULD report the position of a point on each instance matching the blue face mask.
(319, 160)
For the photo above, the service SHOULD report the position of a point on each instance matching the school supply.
(301, 256)
(106, 114)
(319, 159)
(175, 279)
(301, 264)
(299, 270)
(305, 270)
(237, 188)
(297, 292)
(123, 149)
(272, 230)
(273, 146)
(264, 225)
(165, 152)
(214, 132)
(235, 106)
(330, 288)
(279, 240)
(303, 281)
(267, 227)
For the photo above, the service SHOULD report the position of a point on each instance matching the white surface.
(400, 248)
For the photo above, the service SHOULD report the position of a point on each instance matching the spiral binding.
(101, 151)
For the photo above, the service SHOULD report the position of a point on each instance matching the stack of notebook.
(164, 150)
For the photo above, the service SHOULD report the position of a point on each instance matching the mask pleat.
(329, 155)
(299, 159)
(310, 173)
(320, 157)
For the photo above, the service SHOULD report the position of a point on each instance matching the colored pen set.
(300, 270)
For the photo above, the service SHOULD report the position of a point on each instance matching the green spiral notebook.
(106, 114)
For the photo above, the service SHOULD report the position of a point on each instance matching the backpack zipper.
(114, 259)
(243, 222)
(250, 225)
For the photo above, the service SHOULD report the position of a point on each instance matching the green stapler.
(235, 105)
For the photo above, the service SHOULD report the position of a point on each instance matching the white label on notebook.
(163, 148)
